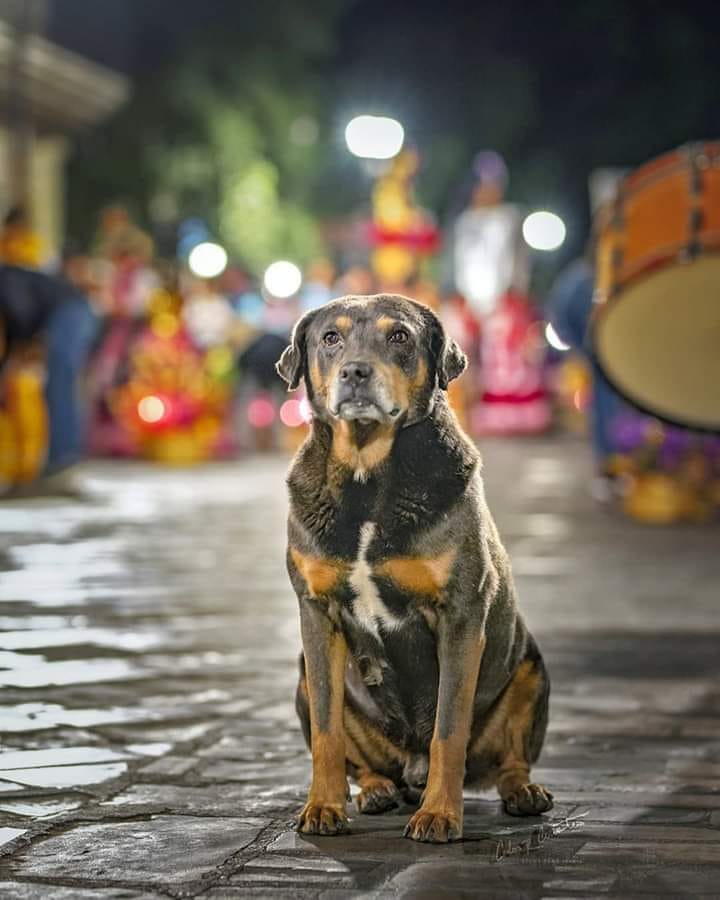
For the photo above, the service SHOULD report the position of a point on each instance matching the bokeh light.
(374, 137)
(544, 230)
(282, 279)
(290, 414)
(151, 409)
(207, 260)
(554, 339)
(261, 412)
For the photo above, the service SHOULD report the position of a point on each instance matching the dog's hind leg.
(374, 762)
(510, 740)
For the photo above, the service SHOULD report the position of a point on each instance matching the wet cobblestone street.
(147, 669)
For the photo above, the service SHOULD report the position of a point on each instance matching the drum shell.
(656, 326)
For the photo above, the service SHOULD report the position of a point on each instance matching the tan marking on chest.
(419, 574)
(320, 575)
(361, 460)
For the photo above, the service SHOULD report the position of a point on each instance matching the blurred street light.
(544, 230)
(374, 137)
(282, 279)
(207, 260)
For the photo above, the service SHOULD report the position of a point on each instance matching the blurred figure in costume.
(491, 266)
(402, 233)
(20, 245)
(127, 252)
(52, 310)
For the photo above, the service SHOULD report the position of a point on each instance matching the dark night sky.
(559, 87)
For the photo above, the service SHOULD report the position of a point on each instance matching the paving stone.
(169, 765)
(18, 890)
(216, 799)
(159, 850)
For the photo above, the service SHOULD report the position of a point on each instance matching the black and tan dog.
(418, 674)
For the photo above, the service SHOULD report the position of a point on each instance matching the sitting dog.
(417, 674)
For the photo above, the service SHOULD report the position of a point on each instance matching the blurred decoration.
(282, 279)
(374, 137)
(668, 474)
(571, 382)
(544, 230)
(175, 403)
(402, 233)
(207, 260)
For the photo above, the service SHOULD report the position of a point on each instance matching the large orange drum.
(657, 320)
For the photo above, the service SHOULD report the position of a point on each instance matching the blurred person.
(317, 286)
(20, 245)
(570, 304)
(34, 305)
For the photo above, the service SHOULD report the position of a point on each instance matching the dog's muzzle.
(358, 396)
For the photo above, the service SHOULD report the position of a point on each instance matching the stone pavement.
(149, 746)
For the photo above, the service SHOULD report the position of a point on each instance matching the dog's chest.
(368, 608)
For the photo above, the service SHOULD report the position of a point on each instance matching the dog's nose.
(355, 373)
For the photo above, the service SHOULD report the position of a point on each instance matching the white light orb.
(282, 279)
(151, 409)
(544, 230)
(554, 339)
(374, 137)
(207, 260)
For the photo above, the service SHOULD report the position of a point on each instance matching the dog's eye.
(330, 338)
(398, 337)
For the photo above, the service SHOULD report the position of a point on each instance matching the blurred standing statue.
(490, 256)
(492, 272)
(402, 232)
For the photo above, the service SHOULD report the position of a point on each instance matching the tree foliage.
(230, 128)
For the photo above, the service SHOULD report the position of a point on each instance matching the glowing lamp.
(544, 230)
(282, 279)
(374, 137)
(207, 260)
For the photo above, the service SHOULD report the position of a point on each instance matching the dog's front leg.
(325, 653)
(440, 817)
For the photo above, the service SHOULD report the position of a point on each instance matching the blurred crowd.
(112, 351)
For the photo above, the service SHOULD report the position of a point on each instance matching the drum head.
(658, 343)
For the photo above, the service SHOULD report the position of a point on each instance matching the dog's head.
(379, 358)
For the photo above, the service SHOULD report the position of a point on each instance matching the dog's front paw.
(322, 818)
(528, 800)
(377, 796)
(434, 827)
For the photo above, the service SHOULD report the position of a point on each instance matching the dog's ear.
(450, 361)
(292, 363)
